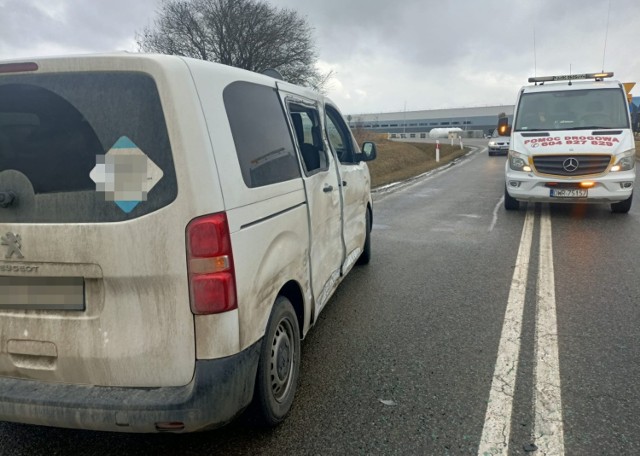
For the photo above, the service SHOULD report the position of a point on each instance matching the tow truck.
(571, 142)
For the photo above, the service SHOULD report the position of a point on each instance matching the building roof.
(435, 113)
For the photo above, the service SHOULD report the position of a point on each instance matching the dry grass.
(398, 161)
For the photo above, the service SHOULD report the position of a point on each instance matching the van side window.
(259, 127)
(306, 125)
(339, 137)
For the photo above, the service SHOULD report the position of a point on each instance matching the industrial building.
(483, 119)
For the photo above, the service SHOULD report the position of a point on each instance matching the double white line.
(548, 429)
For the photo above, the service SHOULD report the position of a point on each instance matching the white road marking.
(495, 214)
(497, 422)
(548, 432)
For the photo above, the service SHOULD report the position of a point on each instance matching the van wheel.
(365, 256)
(510, 203)
(279, 365)
(622, 207)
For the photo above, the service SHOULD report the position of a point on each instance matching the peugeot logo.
(570, 164)
(14, 245)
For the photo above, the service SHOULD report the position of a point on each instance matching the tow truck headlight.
(519, 162)
(625, 161)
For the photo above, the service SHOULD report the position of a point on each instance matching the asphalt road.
(413, 348)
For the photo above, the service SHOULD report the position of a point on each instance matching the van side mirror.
(369, 152)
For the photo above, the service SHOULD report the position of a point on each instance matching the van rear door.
(92, 261)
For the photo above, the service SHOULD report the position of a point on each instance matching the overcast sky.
(385, 55)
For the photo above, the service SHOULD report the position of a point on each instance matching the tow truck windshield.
(572, 110)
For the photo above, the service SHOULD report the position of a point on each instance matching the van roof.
(160, 59)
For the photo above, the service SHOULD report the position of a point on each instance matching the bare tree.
(248, 34)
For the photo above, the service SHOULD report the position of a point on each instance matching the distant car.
(498, 145)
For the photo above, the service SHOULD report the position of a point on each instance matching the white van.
(170, 229)
(571, 142)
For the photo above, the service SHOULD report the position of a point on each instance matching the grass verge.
(398, 161)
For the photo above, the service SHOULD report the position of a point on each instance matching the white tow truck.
(571, 142)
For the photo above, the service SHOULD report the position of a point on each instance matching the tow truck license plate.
(569, 193)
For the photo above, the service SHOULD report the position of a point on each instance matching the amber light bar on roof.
(571, 77)
(18, 67)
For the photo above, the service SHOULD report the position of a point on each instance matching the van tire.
(623, 206)
(365, 256)
(510, 203)
(279, 365)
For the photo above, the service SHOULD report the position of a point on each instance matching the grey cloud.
(419, 50)
(99, 26)
(21, 23)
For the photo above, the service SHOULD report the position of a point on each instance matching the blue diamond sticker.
(127, 206)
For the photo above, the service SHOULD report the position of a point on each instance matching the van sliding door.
(321, 182)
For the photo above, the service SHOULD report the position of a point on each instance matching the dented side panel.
(280, 256)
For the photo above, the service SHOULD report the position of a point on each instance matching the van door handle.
(327, 188)
(344, 183)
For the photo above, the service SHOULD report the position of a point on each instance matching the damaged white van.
(170, 229)
(571, 143)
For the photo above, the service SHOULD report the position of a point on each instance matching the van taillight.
(212, 281)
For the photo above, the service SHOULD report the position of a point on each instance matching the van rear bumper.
(219, 391)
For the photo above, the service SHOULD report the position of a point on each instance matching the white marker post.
(437, 150)
(461, 145)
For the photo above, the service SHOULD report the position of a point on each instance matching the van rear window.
(82, 147)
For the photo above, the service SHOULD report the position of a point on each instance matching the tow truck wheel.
(510, 204)
(622, 207)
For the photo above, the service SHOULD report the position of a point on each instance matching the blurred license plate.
(569, 192)
(42, 293)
